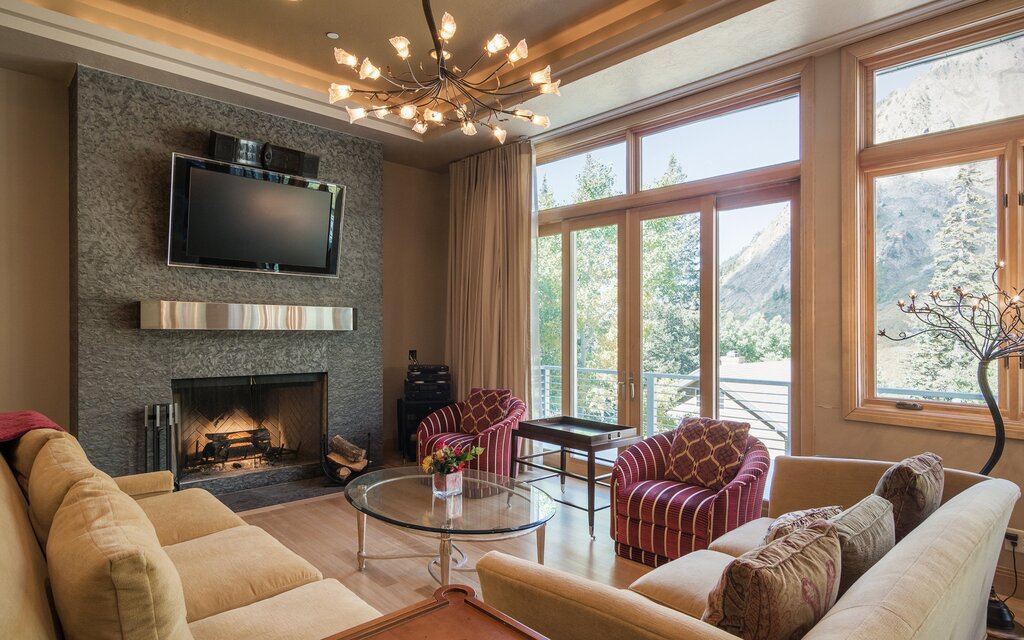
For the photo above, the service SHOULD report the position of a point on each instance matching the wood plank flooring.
(323, 531)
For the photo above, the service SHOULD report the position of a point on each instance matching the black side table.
(410, 414)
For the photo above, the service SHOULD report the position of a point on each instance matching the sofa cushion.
(684, 584)
(25, 606)
(59, 465)
(706, 452)
(866, 533)
(236, 567)
(787, 523)
(315, 610)
(781, 590)
(110, 577)
(743, 538)
(914, 487)
(187, 515)
(667, 503)
(21, 453)
(485, 408)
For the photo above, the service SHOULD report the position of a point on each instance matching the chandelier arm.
(435, 35)
(947, 325)
(475, 62)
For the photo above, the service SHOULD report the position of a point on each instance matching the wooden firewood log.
(347, 449)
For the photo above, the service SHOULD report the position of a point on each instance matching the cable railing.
(667, 398)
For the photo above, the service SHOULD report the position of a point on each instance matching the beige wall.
(34, 317)
(415, 268)
(831, 434)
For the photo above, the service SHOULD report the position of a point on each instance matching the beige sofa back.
(934, 584)
(802, 482)
(25, 611)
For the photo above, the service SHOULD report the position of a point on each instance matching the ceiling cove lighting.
(446, 94)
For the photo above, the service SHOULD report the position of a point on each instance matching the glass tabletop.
(489, 504)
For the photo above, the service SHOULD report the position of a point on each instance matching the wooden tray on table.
(577, 433)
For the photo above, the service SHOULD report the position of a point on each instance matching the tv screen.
(235, 217)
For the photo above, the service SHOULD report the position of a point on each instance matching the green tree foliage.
(596, 180)
(964, 245)
(545, 197)
(673, 174)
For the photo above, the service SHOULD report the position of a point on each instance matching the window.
(592, 175)
(978, 83)
(759, 136)
(935, 208)
(638, 282)
(935, 229)
(547, 385)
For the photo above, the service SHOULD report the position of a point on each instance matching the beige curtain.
(488, 339)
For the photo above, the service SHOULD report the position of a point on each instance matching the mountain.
(758, 277)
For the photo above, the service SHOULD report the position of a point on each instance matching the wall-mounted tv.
(229, 216)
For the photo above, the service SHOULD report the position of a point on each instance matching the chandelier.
(438, 97)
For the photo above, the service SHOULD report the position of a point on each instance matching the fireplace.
(234, 425)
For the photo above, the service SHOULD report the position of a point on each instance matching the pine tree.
(964, 249)
(673, 174)
(545, 197)
(596, 180)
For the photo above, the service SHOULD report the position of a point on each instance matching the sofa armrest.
(565, 607)
(145, 485)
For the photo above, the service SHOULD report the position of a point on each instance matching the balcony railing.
(667, 398)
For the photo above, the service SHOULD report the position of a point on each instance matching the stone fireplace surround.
(122, 135)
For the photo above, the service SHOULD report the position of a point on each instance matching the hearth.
(239, 424)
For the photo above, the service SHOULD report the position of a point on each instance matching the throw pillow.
(484, 408)
(706, 452)
(787, 523)
(781, 590)
(914, 487)
(866, 532)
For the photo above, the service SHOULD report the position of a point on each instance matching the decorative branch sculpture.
(990, 326)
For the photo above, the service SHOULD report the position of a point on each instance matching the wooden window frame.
(731, 190)
(863, 161)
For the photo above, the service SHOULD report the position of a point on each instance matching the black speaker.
(290, 161)
(226, 147)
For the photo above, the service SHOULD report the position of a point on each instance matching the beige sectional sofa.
(933, 585)
(96, 557)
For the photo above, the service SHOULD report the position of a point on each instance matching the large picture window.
(674, 298)
(933, 204)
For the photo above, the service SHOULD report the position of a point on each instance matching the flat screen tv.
(229, 216)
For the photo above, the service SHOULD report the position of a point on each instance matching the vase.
(447, 484)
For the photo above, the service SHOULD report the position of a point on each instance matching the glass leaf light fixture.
(446, 95)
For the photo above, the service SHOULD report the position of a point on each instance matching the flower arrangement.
(450, 459)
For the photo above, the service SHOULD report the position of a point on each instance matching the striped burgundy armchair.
(444, 428)
(655, 520)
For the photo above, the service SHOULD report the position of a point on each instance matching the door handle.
(632, 388)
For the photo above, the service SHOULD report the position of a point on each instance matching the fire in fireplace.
(242, 423)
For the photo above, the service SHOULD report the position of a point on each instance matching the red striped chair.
(655, 520)
(444, 428)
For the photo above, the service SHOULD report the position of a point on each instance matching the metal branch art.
(990, 326)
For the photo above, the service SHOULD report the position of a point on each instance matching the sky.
(757, 137)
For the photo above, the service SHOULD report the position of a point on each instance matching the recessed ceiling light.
(333, 35)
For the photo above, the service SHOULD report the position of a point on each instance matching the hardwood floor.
(323, 531)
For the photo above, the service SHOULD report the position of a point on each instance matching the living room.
(618, 287)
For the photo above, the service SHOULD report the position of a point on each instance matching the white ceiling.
(38, 40)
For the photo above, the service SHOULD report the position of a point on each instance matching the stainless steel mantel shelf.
(226, 316)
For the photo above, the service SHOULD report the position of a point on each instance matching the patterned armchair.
(444, 428)
(655, 520)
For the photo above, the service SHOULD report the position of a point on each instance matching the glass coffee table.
(491, 507)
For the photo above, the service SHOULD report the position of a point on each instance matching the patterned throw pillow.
(914, 487)
(706, 452)
(787, 523)
(866, 533)
(781, 590)
(484, 408)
